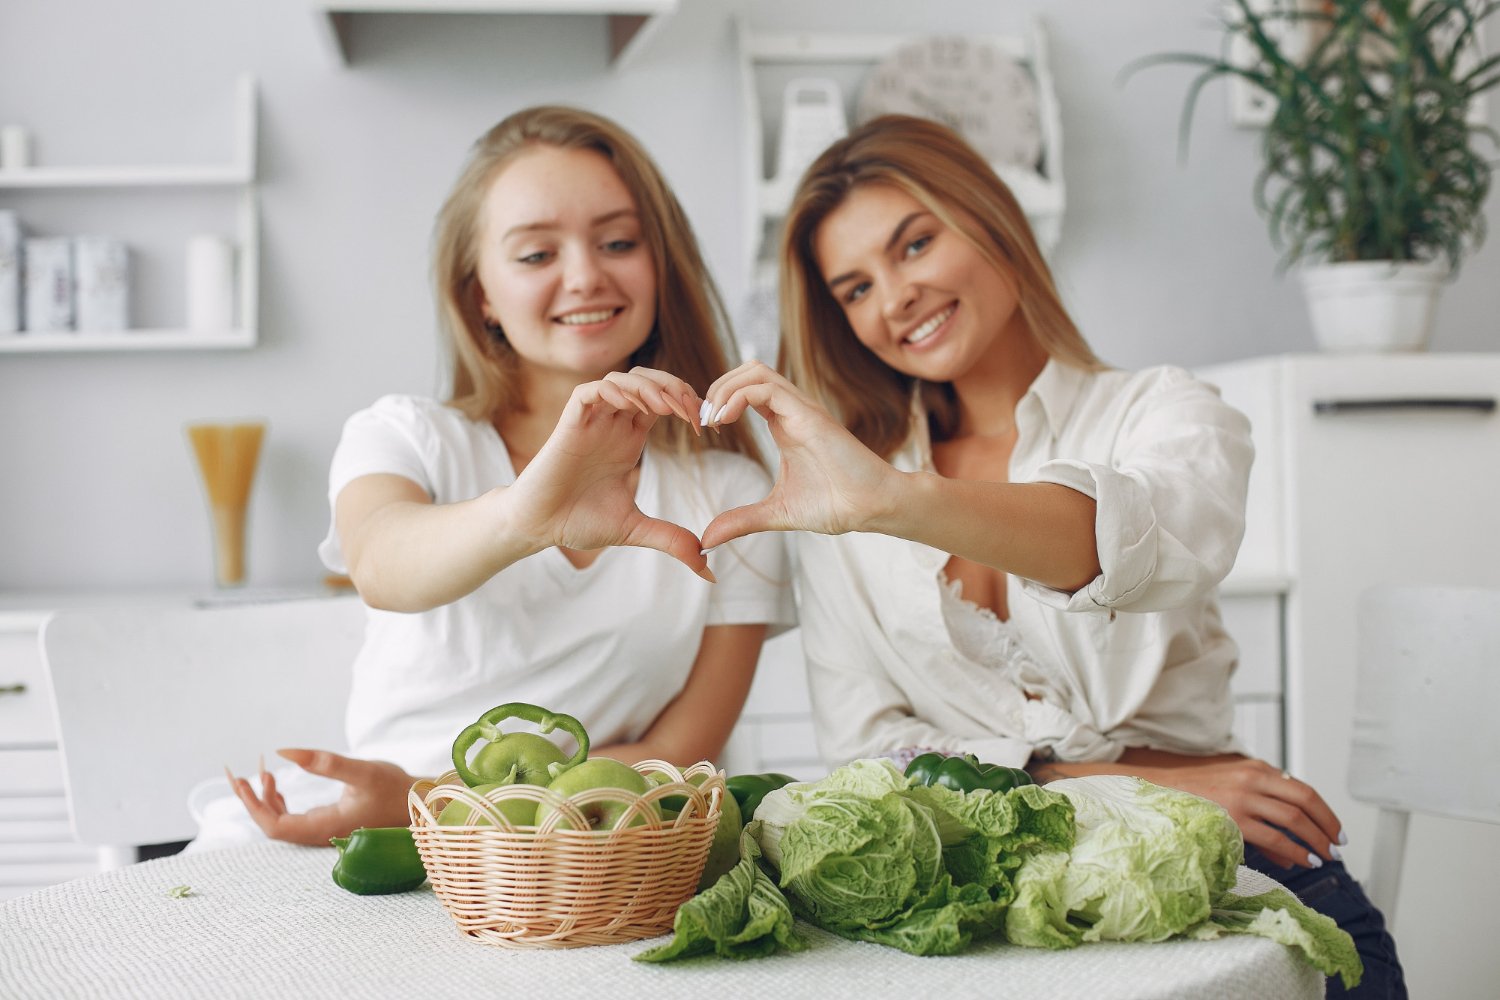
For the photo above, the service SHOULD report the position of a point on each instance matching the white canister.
(10, 272)
(49, 284)
(101, 268)
(210, 284)
(15, 148)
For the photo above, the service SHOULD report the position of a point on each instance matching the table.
(266, 920)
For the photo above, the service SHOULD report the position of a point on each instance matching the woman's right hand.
(828, 481)
(374, 795)
(578, 492)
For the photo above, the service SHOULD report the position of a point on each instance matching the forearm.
(1040, 531)
(414, 557)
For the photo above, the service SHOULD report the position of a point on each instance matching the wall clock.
(971, 86)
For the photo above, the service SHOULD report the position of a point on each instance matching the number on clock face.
(970, 86)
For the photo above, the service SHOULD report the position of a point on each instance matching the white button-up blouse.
(1136, 658)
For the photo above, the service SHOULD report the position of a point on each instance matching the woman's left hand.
(1266, 804)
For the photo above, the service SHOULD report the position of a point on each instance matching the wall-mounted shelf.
(631, 22)
(1041, 195)
(127, 340)
(238, 175)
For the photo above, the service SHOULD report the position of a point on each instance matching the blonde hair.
(930, 162)
(690, 335)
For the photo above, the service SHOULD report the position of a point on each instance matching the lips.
(930, 326)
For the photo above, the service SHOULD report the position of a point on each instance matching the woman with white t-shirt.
(535, 537)
(1006, 547)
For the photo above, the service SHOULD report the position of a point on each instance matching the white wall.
(1160, 261)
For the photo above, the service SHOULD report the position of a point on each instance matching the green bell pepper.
(749, 789)
(516, 758)
(375, 861)
(964, 774)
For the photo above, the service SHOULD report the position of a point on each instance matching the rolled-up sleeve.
(1169, 495)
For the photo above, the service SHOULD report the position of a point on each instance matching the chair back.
(1427, 701)
(151, 701)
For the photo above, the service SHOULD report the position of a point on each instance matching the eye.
(916, 246)
(620, 246)
(855, 293)
(535, 257)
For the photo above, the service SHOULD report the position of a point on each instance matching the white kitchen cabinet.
(36, 841)
(1374, 469)
(236, 177)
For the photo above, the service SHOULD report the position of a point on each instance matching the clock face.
(970, 86)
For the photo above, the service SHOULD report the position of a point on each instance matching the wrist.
(898, 503)
(510, 537)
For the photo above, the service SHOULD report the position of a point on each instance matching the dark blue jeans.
(1332, 891)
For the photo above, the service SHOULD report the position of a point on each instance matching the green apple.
(598, 772)
(530, 754)
(724, 852)
(521, 812)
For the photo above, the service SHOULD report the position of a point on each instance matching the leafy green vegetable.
(1152, 863)
(742, 915)
(1282, 917)
(865, 854)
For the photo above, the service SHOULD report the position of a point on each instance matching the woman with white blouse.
(1005, 547)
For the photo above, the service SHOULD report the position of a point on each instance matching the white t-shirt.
(610, 644)
(1168, 463)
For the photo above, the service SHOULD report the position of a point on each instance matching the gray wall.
(1161, 262)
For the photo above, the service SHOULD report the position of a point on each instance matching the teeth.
(927, 329)
(579, 319)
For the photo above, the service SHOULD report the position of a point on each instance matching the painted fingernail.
(1313, 861)
(719, 415)
(1343, 838)
(704, 412)
(1338, 855)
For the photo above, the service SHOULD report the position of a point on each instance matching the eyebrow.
(545, 224)
(896, 234)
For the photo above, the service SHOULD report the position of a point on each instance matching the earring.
(494, 329)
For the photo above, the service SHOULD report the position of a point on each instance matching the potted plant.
(1371, 180)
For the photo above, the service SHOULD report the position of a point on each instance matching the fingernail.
(704, 412)
(1343, 838)
(229, 774)
(1338, 855)
(718, 416)
(262, 763)
(708, 575)
(1313, 861)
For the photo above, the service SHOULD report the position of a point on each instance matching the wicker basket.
(525, 887)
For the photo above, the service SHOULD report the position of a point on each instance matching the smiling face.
(563, 268)
(916, 292)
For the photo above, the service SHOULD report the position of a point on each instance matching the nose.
(899, 299)
(582, 273)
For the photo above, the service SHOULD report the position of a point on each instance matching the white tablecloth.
(267, 921)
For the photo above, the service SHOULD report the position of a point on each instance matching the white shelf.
(108, 177)
(1042, 197)
(631, 22)
(126, 340)
(237, 176)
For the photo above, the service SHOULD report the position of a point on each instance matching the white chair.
(1427, 689)
(152, 701)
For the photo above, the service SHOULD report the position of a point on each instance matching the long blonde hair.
(930, 162)
(690, 336)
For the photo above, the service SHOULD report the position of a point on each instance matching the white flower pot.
(1373, 305)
